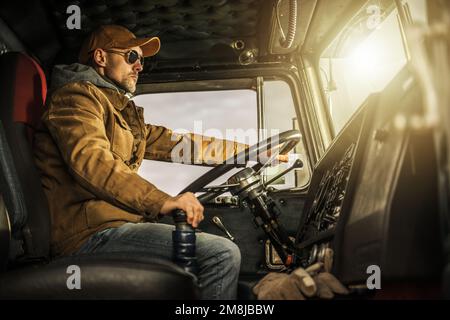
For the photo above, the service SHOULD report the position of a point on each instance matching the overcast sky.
(219, 110)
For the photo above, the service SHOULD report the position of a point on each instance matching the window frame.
(233, 79)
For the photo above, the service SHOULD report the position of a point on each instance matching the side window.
(3, 47)
(280, 115)
(9, 40)
(362, 60)
(225, 114)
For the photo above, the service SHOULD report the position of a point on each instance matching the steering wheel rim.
(287, 140)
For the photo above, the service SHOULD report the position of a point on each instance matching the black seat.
(26, 268)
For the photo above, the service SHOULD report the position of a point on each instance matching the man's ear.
(99, 57)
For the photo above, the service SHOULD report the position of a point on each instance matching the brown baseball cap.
(114, 36)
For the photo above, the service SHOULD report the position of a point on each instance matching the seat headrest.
(27, 89)
(23, 88)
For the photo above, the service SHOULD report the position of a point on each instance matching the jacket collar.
(119, 99)
(63, 74)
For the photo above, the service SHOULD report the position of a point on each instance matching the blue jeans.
(218, 258)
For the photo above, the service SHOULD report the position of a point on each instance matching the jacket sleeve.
(165, 145)
(75, 120)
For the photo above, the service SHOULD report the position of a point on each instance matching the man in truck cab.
(91, 143)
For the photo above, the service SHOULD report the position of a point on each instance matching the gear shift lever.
(183, 238)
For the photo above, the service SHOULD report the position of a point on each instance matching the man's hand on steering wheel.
(187, 201)
(264, 156)
(283, 158)
(189, 204)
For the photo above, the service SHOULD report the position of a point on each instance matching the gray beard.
(125, 87)
(119, 85)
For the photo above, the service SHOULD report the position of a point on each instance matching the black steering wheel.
(285, 140)
(184, 235)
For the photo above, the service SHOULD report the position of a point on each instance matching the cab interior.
(365, 175)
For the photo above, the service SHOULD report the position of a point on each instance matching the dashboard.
(373, 197)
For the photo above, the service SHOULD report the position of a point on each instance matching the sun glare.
(366, 59)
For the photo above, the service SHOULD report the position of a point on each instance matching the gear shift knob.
(183, 238)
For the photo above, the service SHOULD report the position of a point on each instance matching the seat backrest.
(23, 90)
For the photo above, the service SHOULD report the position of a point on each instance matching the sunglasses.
(131, 56)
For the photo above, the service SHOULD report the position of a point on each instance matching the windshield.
(363, 59)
